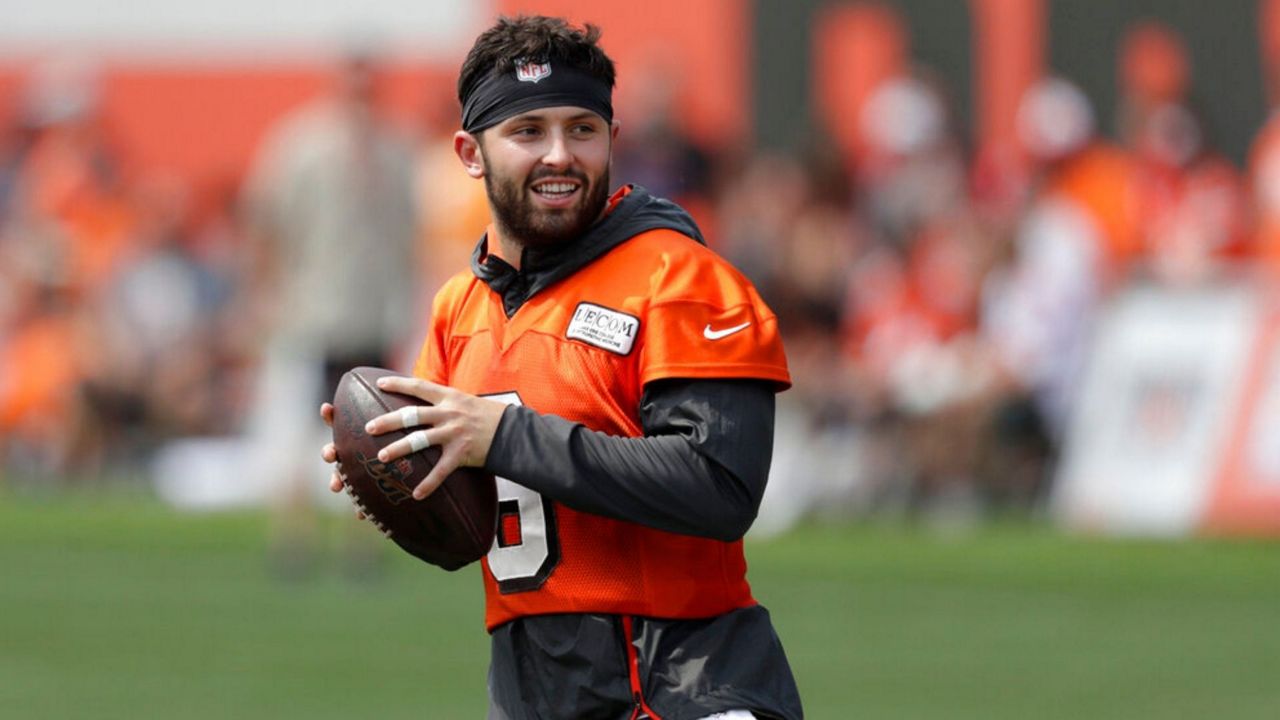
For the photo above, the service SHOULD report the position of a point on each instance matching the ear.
(467, 148)
(614, 127)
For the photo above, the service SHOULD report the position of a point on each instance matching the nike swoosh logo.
(710, 334)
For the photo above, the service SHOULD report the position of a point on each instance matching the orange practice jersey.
(657, 306)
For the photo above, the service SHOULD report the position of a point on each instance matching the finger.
(335, 483)
(329, 453)
(416, 441)
(417, 387)
(326, 413)
(402, 419)
(448, 463)
(429, 483)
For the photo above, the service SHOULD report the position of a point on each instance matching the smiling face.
(546, 172)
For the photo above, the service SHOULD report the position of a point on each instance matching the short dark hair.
(537, 38)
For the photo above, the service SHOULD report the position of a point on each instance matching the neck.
(511, 248)
(506, 246)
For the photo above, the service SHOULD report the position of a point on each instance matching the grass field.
(120, 608)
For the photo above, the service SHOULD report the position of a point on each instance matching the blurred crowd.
(125, 301)
(937, 299)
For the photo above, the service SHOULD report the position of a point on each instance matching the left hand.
(460, 424)
(329, 453)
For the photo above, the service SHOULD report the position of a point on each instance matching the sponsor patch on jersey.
(609, 329)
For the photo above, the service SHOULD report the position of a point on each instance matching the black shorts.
(551, 667)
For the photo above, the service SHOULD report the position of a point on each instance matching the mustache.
(547, 172)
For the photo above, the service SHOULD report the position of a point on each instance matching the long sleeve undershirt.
(700, 468)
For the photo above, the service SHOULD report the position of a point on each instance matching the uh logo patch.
(609, 329)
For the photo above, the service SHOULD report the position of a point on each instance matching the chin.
(549, 236)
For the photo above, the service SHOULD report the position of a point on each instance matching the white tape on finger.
(418, 440)
(409, 417)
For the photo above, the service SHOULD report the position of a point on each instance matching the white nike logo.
(710, 334)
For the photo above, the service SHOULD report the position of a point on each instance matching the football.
(451, 527)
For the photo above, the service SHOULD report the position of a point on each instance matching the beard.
(530, 226)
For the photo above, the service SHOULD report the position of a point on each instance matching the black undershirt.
(700, 468)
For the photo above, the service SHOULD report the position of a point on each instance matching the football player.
(618, 377)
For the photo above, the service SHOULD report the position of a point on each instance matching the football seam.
(374, 392)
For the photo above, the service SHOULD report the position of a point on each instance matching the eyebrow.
(534, 116)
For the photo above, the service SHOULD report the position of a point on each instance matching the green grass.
(119, 608)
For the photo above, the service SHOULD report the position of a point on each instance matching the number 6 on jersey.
(525, 549)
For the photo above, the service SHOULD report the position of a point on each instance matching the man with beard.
(619, 378)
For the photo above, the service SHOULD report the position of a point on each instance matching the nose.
(557, 154)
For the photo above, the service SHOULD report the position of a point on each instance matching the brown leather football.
(451, 527)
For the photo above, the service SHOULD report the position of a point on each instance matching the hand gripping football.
(451, 527)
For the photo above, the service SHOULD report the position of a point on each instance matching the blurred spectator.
(656, 153)
(1091, 176)
(15, 140)
(72, 187)
(910, 315)
(156, 327)
(1038, 309)
(334, 171)
(41, 413)
(215, 236)
(912, 172)
(1155, 70)
(756, 211)
(1264, 156)
(66, 222)
(453, 210)
(1264, 181)
(1193, 199)
(857, 48)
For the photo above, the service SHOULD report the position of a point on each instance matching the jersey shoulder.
(454, 292)
(701, 317)
(674, 267)
(451, 303)
(685, 271)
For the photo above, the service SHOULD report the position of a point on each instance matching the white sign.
(1156, 409)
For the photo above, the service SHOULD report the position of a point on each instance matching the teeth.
(556, 188)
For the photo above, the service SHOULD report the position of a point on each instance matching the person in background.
(331, 208)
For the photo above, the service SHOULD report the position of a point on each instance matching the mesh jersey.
(657, 306)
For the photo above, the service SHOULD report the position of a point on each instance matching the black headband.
(531, 86)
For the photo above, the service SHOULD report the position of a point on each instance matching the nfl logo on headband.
(532, 72)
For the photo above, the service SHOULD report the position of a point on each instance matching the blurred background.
(1024, 254)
